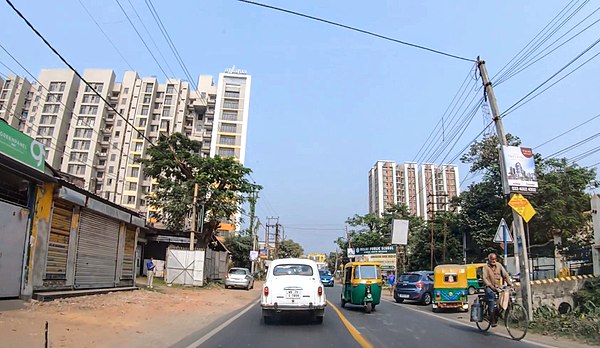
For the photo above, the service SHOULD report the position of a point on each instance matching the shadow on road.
(291, 319)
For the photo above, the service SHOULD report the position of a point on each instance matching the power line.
(357, 30)
(75, 71)
(172, 46)
(141, 38)
(576, 145)
(105, 35)
(538, 58)
(529, 50)
(584, 154)
(151, 39)
(514, 106)
(568, 131)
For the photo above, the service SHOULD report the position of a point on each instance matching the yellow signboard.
(522, 206)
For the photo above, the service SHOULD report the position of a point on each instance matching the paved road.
(391, 325)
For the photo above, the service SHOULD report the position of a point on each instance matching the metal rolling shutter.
(128, 253)
(58, 242)
(97, 245)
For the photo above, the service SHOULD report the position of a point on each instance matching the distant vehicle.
(293, 285)
(415, 286)
(239, 278)
(475, 277)
(326, 277)
(450, 288)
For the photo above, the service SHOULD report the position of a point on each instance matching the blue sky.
(327, 102)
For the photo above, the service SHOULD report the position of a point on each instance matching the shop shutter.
(128, 253)
(96, 262)
(58, 241)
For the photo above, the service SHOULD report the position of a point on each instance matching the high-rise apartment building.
(86, 138)
(424, 190)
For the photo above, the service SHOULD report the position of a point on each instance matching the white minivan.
(293, 285)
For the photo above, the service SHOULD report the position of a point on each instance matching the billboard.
(21, 148)
(388, 249)
(519, 169)
(388, 261)
(400, 232)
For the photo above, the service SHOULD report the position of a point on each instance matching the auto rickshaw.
(475, 277)
(362, 284)
(450, 287)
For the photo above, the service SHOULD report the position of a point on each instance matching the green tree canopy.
(289, 248)
(239, 246)
(176, 163)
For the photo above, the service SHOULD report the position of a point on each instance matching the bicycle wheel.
(485, 324)
(516, 321)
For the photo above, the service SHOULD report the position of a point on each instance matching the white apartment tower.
(424, 190)
(86, 138)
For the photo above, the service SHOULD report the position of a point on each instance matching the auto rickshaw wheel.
(343, 302)
(373, 307)
(471, 290)
(368, 307)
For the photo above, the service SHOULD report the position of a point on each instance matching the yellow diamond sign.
(522, 206)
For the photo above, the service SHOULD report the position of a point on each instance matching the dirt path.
(142, 318)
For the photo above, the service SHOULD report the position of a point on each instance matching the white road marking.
(216, 330)
(467, 325)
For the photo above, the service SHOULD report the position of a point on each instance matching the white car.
(293, 285)
(239, 278)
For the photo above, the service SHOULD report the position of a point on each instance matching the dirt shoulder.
(143, 318)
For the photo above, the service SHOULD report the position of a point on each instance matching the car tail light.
(419, 285)
(266, 291)
(320, 291)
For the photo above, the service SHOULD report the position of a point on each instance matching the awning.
(27, 172)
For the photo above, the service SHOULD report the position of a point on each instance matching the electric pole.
(519, 231)
(277, 240)
(194, 217)
(252, 200)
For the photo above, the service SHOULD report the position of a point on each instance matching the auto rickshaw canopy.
(450, 276)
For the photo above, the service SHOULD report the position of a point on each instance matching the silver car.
(239, 278)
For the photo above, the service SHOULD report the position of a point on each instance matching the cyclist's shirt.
(493, 276)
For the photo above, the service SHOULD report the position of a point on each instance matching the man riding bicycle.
(493, 275)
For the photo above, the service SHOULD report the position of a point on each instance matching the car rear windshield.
(293, 269)
(237, 271)
(325, 273)
(410, 278)
(366, 272)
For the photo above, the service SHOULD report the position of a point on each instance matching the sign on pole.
(400, 232)
(253, 255)
(522, 206)
(503, 233)
(518, 165)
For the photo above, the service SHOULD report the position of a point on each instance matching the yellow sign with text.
(522, 206)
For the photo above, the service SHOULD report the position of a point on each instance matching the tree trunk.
(206, 237)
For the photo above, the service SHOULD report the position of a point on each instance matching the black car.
(415, 286)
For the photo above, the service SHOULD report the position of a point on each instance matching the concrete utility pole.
(194, 217)
(433, 210)
(252, 200)
(276, 240)
(518, 231)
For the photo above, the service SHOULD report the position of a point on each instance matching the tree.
(175, 162)
(239, 246)
(289, 248)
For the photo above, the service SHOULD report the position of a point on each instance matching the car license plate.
(403, 295)
(292, 294)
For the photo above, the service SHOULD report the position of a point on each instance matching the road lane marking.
(467, 325)
(353, 331)
(216, 330)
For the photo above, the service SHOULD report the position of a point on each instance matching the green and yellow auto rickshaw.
(450, 287)
(362, 284)
(475, 277)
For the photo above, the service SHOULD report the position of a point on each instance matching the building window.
(97, 86)
(119, 123)
(228, 127)
(145, 189)
(227, 140)
(156, 106)
(138, 147)
(230, 116)
(91, 99)
(48, 119)
(134, 172)
(130, 199)
(168, 100)
(113, 157)
(149, 87)
(142, 122)
(111, 169)
(232, 94)
(231, 105)
(154, 128)
(226, 152)
(145, 110)
(99, 175)
(146, 98)
(49, 131)
(79, 156)
(155, 117)
(170, 88)
(166, 111)
(88, 110)
(57, 86)
(123, 100)
(164, 124)
(51, 108)
(83, 133)
(142, 203)
(159, 95)
(131, 186)
(126, 90)
(54, 97)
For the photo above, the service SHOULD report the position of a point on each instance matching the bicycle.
(515, 316)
